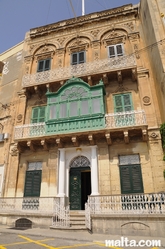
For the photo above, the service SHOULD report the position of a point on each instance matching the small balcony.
(109, 122)
(80, 70)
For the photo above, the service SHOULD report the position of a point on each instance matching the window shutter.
(38, 114)
(40, 66)
(81, 57)
(36, 182)
(119, 50)
(32, 183)
(125, 180)
(74, 59)
(47, 65)
(127, 102)
(41, 117)
(137, 184)
(111, 51)
(118, 103)
(131, 179)
(28, 183)
(35, 113)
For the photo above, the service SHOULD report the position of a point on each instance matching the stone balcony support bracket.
(126, 137)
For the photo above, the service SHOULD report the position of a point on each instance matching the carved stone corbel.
(105, 78)
(126, 137)
(59, 142)
(31, 146)
(75, 141)
(144, 135)
(119, 76)
(108, 138)
(90, 80)
(134, 74)
(38, 91)
(91, 140)
(44, 144)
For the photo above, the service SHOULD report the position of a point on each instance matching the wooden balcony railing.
(79, 70)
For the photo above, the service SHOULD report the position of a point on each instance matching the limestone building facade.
(86, 114)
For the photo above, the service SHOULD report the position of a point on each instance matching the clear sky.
(19, 16)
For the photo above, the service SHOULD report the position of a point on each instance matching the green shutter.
(131, 179)
(123, 102)
(38, 114)
(118, 103)
(32, 183)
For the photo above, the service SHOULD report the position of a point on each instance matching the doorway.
(79, 182)
(80, 187)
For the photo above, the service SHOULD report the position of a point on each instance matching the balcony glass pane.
(63, 110)
(95, 93)
(96, 105)
(73, 108)
(52, 112)
(84, 107)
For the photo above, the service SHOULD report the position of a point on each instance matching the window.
(115, 50)
(33, 179)
(123, 107)
(130, 174)
(43, 65)
(78, 58)
(123, 102)
(38, 114)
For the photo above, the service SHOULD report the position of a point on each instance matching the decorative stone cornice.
(124, 11)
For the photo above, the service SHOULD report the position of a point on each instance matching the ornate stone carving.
(19, 118)
(154, 135)
(134, 36)
(1, 128)
(61, 40)
(14, 150)
(136, 51)
(121, 88)
(146, 100)
(129, 25)
(95, 33)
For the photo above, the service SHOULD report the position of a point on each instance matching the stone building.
(84, 115)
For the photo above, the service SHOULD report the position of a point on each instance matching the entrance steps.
(77, 220)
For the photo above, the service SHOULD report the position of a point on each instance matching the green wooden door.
(75, 189)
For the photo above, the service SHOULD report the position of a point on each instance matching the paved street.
(54, 239)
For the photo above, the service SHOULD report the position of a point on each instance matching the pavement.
(74, 235)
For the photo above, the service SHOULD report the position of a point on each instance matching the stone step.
(77, 222)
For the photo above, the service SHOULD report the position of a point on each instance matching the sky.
(19, 16)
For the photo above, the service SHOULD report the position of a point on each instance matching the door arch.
(79, 182)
